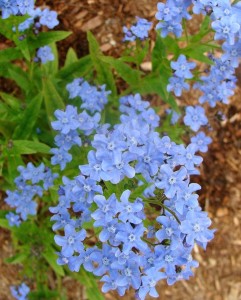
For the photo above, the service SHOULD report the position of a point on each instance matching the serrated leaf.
(51, 258)
(29, 118)
(46, 38)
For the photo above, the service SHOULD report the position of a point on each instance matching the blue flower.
(127, 210)
(195, 226)
(171, 181)
(25, 6)
(226, 28)
(149, 281)
(8, 8)
(177, 84)
(60, 157)
(20, 292)
(131, 237)
(201, 141)
(182, 67)
(138, 30)
(14, 220)
(106, 209)
(66, 120)
(170, 27)
(114, 281)
(45, 54)
(103, 259)
(195, 117)
(94, 168)
(48, 18)
(71, 241)
(74, 88)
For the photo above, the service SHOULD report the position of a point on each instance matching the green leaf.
(52, 98)
(4, 224)
(29, 147)
(10, 100)
(71, 57)
(198, 53)
(46, 38)
(51, 258)
(17, 258)
(14, 72)
(10, 54)
(157, 85)
(104, 73)
(158, 53)
(130, 75)
(22, 45)
(29, 118)
(6, 128)
(171, 45)
(79, 68)
(94, 293)
(203, 31)
(89, 281)
(6, 26)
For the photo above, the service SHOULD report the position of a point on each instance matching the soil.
(219, 274)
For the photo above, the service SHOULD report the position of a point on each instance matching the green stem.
(152, 201)
(185, 31)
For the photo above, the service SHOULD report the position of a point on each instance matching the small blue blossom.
(201, 141)
(45, 54)
(71, 241)
(138, 30)
(20, 292)
(13, 219)
(48, 18)
(182, 67)
(195, 117)
(177, 85)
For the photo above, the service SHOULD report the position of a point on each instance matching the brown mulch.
(219, 274)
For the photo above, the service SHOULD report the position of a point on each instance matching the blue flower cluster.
(72, 124)
(119, 247)
(170, 16)
(20, 292)
(182, 71)
(28, 189)
(16, 7)
(39, 18)
(137, 31)
(93, 98)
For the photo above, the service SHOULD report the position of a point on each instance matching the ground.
(219, 274)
